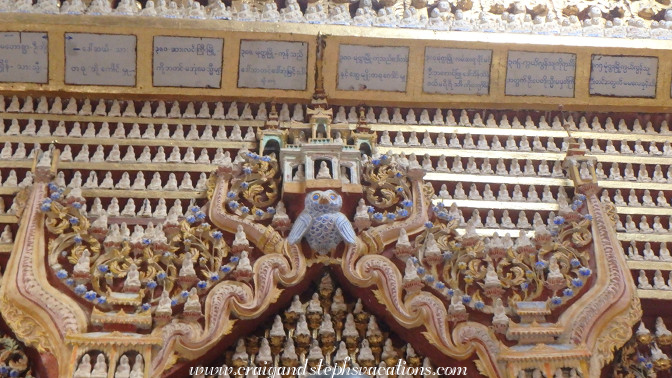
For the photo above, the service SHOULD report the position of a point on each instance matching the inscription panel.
(273, 65)
(540, 74)
(457, 71)
(187, 62)
(100, 59)
(623, 76)
(362, 68)
(24, 57)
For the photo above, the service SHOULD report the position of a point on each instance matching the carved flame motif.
(387, 188)
(254, 186)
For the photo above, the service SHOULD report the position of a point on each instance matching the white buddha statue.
(165, 304)
(323, 172)
(659, 281)
(83, 265)
(187, 269)
(132, 281)
(193, 303)
(664, 253)
(6, 236)
(138, 370)
(84, 368)
(100, 368)
(643, 281)
(399, 140)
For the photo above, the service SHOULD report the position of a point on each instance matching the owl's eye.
(333, 197)
(316, 197)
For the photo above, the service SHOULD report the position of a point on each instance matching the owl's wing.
(299, 228)
(345, 229)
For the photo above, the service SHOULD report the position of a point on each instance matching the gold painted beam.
(654, 294)
(145, 28)
(8, 191)
(16, 163)
(634, 185)
(625, 236)
(634, 159)
(8, 219)
(649, 265)
(644, 210)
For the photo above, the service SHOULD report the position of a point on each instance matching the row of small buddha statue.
(130, 210)
(12, 180)
(113, 154)
(628, 174)
(529, 169)
(505, 221)
(113, 210)
(662, 334)
(630, 226)
(648, 252)
(100, 370)
(117, 233)
(502, 194)
(653, 342)
(12, 208)
(597, 22)
(30, 129)
(158, 110)
(504, 167)
(468, 143)
(658, 281)
(20, 153)
(139, 182)
(148, 110)
(633, 199)
(638, 149)
(523, 145)
(465, 120)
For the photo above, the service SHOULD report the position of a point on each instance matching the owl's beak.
(324, 200)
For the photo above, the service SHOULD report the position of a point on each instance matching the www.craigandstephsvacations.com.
(324, 370)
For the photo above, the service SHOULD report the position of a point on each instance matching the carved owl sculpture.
(322, 223)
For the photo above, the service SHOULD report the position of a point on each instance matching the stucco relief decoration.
(112, 267)
(254, 186)
(386, 189)
(493, 275)
(13, 359)
(185, 281)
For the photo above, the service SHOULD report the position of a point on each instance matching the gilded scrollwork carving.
(25, 327)
(254, 186)
(13, 359)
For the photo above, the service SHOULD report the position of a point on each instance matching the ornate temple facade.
(405, 189)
